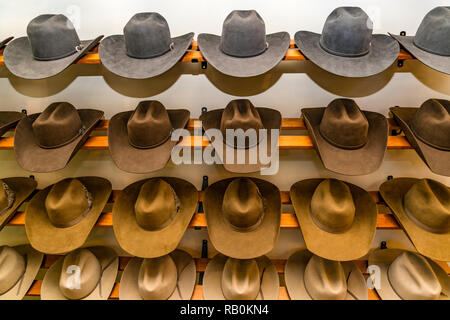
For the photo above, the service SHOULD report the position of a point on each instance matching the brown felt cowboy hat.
(241, 114)
(140, 140)
(310, 277)
(243, 216)
(170, 277)
(46, 141)
(8, 120)
(406, 275)
(18, 268)
(97, 268)
(428, 130)
(349, 141)
(338, 219)
(59, 218)
(150, 216)
(422, 207)
(235, 279)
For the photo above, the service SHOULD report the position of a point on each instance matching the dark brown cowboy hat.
(243, 216)
(150, 216)
(422, 207)
(428, 130)
(4, 42)
(59, 218)
(46, 141)
(8, 120)
(140, 140)
(349, 141)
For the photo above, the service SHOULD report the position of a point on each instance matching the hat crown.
(332, 206)
(149, 125)
(12, 267)
(243, 34)
(147, 35)
(157, 278)
(347, 32)
(240, 279)
(7, 197)
(52, 37)
(432, 34)
(344, 125)
(413, 278)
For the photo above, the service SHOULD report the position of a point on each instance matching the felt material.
(8, 120)
(3, 43)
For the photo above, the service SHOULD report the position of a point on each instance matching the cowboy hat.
(349, 141)
(18, 268)
(145, 49)
(310, 277)
(338, 219)
(140, 140)
(150, 216)
(243, 216)
(8, 120)
(170, 277)
(51, 46)
(347, 46)
(59, 218)
(244, 49)
(96, 268)
(46, 141)
(428, 130)
(4, 42)
(422, 207)
(234, 279)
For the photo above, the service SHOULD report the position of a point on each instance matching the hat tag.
(11, 198)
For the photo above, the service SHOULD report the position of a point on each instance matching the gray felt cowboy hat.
(145, 49)
(347, 46)
(244, 49)
(51, 46)
(431, 44)
(3, 43)
(9, 119)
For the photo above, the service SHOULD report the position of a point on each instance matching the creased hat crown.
(157, 278)
(240, 279)
(433, 32)
(12, 267)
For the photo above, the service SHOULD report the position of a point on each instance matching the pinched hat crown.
(240, 279)
(157, 278)
(7, 197)
(432, 35)
(12, 267)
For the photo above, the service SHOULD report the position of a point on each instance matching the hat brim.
(295, 284)
(9, 119)
(212, 280)
(114, 57)
(349, 245)
(32, 157)
(137, 160)
(243, 244)
(186, 273)
(20, 61)
(383, 52)
(433, 245)
(46, 237)
(4, 42)
(152, 243)
(33, 264)
(109, 262)
(384, 257)
(437, 160)
(360, 161)
(209, 45)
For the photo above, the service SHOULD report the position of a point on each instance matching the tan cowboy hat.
(170, 277)
(243, 216)
(338, 219)
(13, 192)
(150, 216)
(422, 207)
(96, 268)
(310, 277)
(234, 279)
(406, 275)
(241, 114)
(9, 119)
(428, 131)
(59, 218)
(46, 141)
(18, 268)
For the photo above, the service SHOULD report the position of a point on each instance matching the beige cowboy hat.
(235, 279)
(9, 119)
(310, 277)
(243, 216)
(150, 216)
(338, 219)
(422, 207)
(59, 218)
(170, 277)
